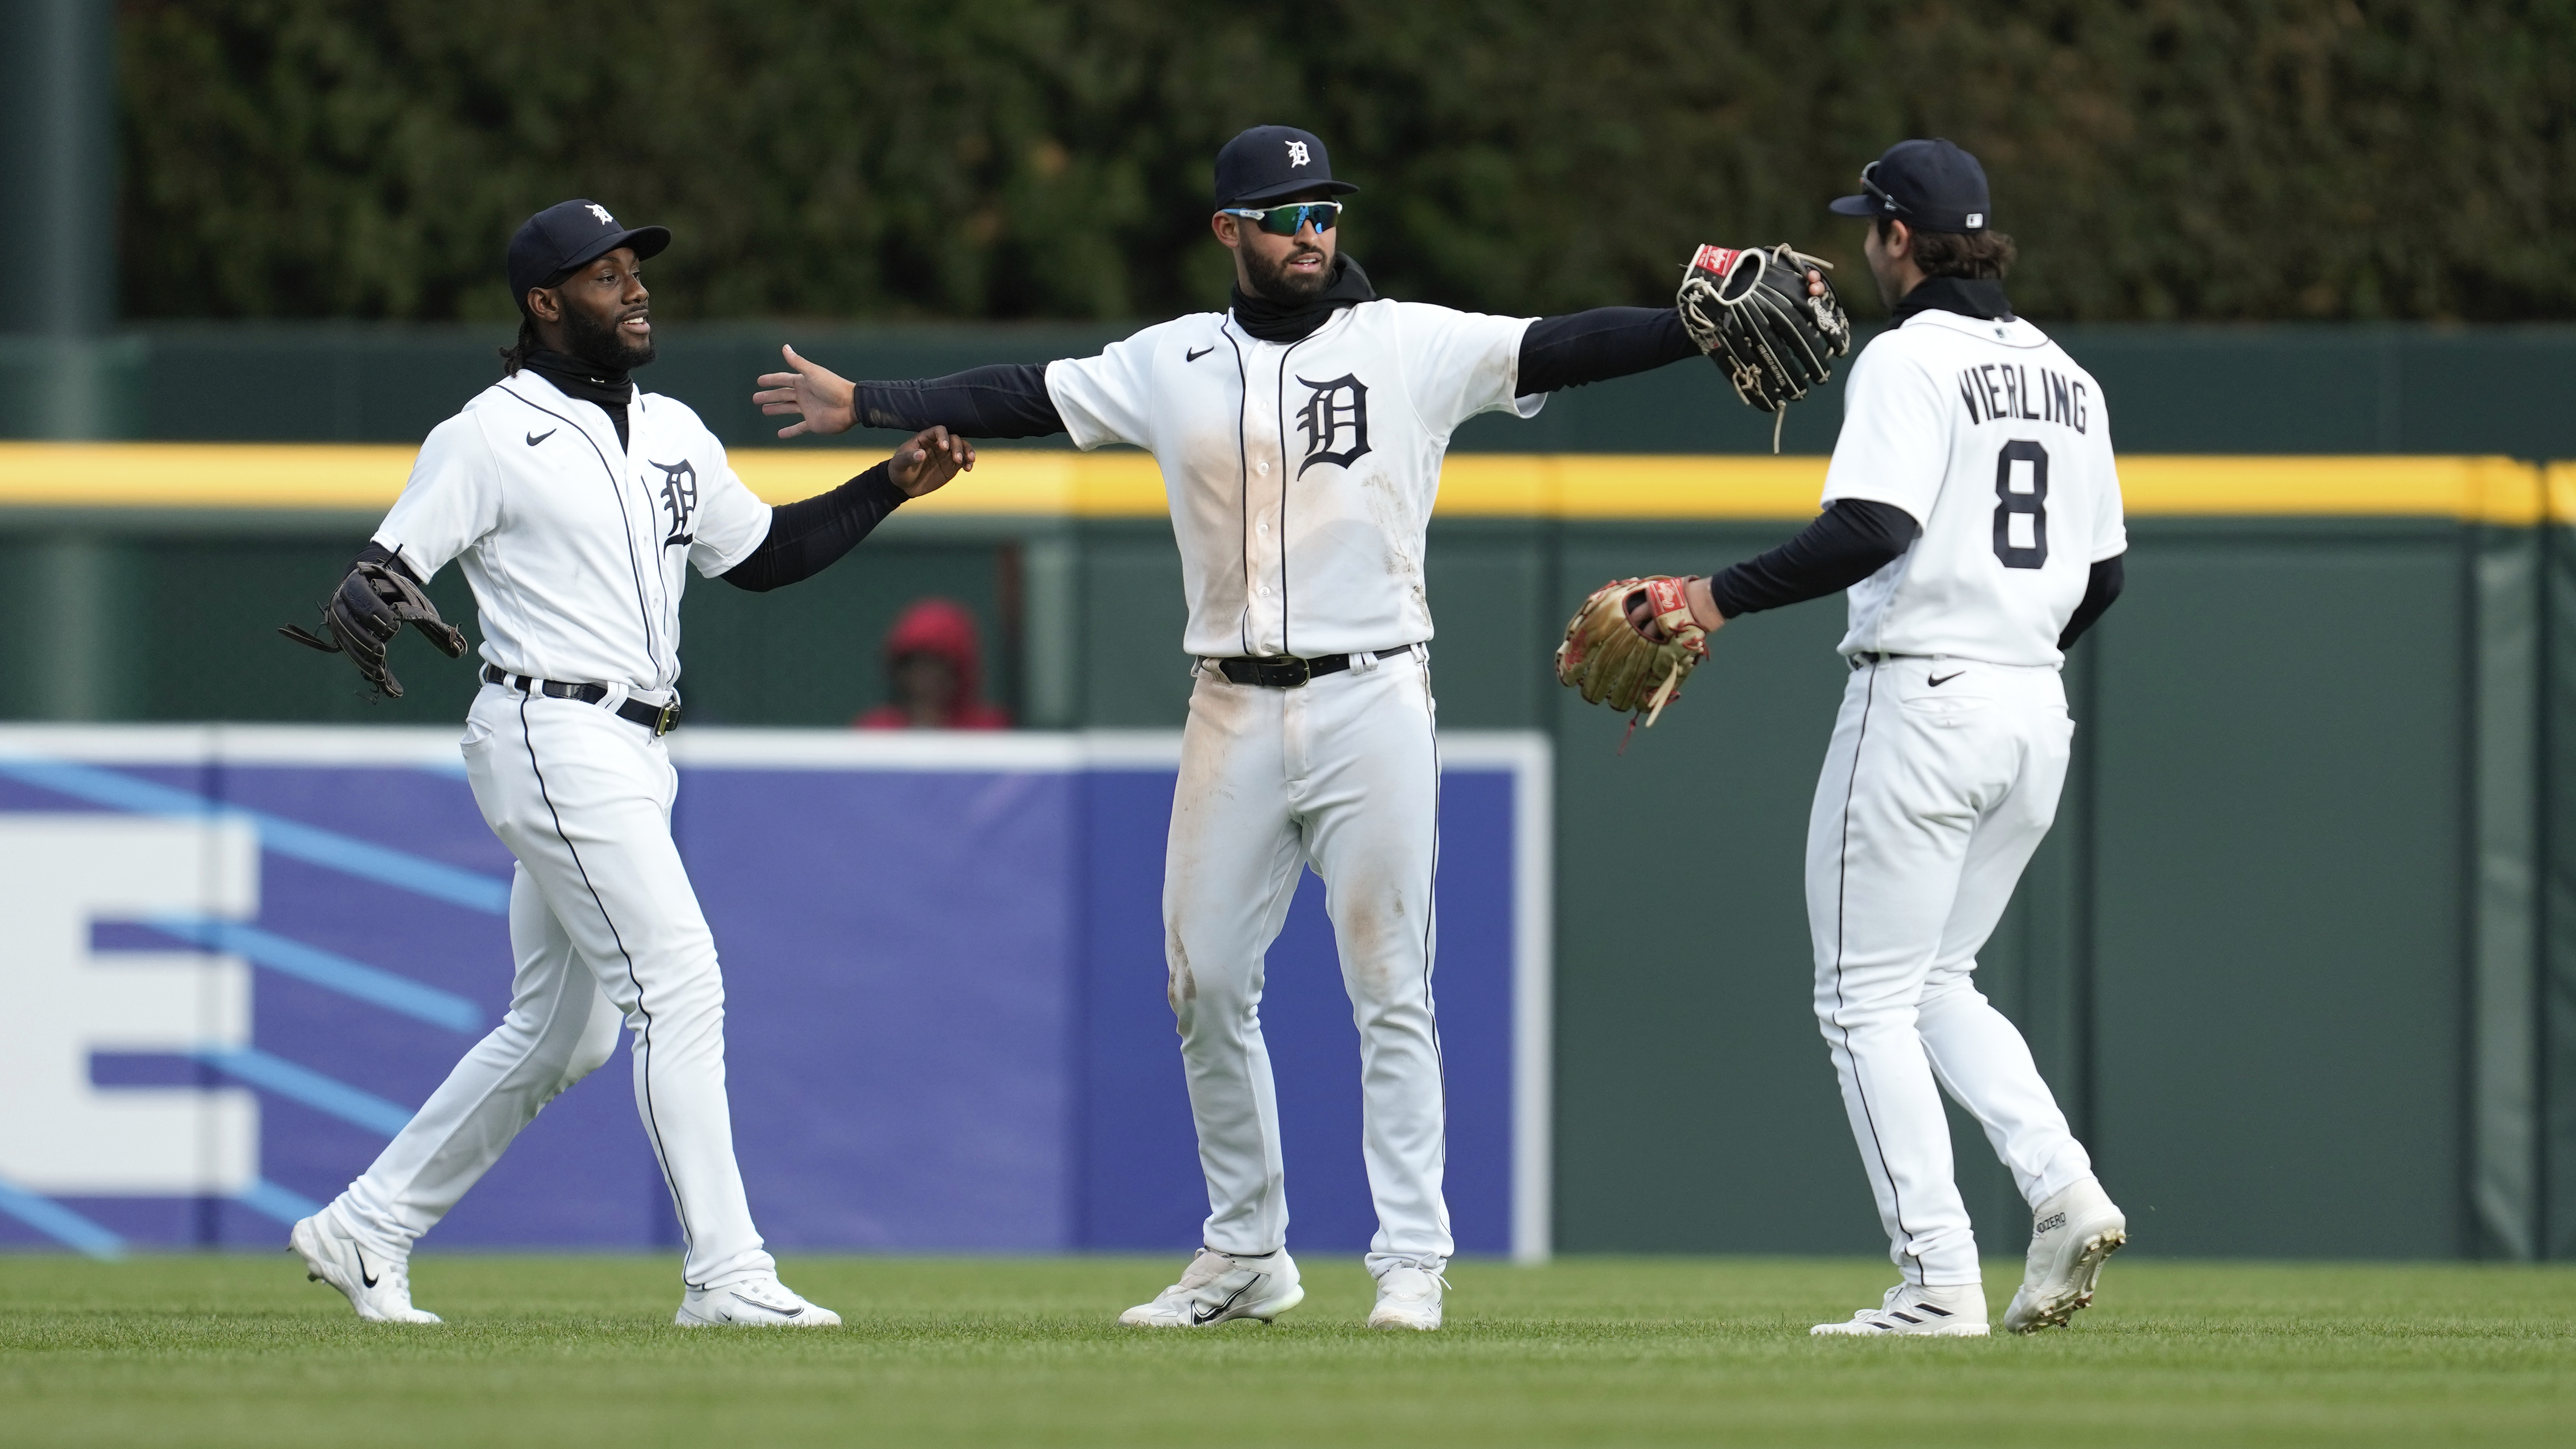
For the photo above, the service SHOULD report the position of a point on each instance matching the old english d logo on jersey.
(1278, 554)
(1335, 422)
(679, 499)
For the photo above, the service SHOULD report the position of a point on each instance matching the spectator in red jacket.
(936, 670)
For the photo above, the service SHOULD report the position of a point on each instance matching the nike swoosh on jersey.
(536, 438)
(1937, 680)
(1195, 356)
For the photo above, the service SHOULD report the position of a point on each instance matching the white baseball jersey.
(577, 549)
(2000, 446)
(1948, 759)
(1301, 474)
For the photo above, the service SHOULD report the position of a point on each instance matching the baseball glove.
(370, 608)
(1612, 663)
(1751, 313)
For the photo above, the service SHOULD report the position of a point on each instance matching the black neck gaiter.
(574, 377)
(1292, 321)
(1967, 296)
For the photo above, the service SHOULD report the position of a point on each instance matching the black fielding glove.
(1751, 313)
(370, 607)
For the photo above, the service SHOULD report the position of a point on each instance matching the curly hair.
(1987, 254)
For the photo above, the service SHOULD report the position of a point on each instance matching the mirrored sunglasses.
(1290, 219)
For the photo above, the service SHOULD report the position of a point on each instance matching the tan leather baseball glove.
(1613, 663)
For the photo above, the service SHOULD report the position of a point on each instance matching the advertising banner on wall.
(237, 958)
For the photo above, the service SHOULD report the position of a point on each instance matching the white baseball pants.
(1343, 772)
(605, 928)
(1933, 797)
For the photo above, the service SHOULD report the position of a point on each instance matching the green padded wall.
(2244, 957)
(2176, 389)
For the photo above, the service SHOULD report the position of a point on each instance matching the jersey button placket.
(1261, 504)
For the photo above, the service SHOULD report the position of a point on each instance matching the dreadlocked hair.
(515, 356)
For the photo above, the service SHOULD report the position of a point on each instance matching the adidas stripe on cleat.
(1950, 1312)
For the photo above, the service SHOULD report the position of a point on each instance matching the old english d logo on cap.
(569, 234)
(1269, 163)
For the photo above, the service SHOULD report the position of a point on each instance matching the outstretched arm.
(1008, 400)
(1595, 346)
(810, 535)
(1852, 539)
(1607, 342)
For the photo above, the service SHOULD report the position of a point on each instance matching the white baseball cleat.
(757, 1302)
(2070, 1235)
(1407, 1297)
(378, 1283)
(1952, 1312)
(1217, 1287)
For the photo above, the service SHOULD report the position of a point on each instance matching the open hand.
(927, 459)
(826, 399)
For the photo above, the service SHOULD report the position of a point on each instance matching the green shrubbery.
(1019, 158)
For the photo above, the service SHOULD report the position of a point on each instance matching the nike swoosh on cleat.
(1936, 681)
(361, 1255)
(1205, 1316)
(536, 438)
(1195, 356)
(765, 1308)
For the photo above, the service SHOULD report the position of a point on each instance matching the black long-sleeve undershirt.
(810, 535)
(2101, 588)
(1852, 539)
(377, 553)
(1599, 344)
(1005, 400)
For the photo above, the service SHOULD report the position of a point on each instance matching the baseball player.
(1299, 434)
(575, 503)
(1972, 510)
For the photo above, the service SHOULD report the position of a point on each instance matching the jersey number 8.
(2021, 512)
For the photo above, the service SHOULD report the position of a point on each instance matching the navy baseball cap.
(1928, 185)
(567, 235)
(1269, 162)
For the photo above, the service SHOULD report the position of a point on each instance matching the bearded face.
(1273, 275)
(601, 340)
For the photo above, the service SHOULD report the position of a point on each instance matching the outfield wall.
(241, 956)
(2301, 957)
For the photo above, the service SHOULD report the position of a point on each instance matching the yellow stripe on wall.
(1123, 484)
(2558, 491)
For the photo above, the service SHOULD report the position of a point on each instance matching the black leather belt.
(1867, 657)
(1290, 672)
(661, 719)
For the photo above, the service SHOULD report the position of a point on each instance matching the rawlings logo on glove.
(1614, 663)
(1751, 313)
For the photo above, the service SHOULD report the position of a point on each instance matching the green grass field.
(579, 1351)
